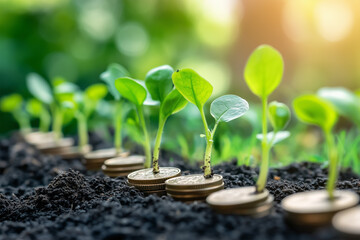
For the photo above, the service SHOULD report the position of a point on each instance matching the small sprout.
(136, 93)
(316, 111)
(263, 73)
(13, 104)
(159, 84)
(224, 109)
(38, 109)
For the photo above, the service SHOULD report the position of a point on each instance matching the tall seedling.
(159, 84)
(224, 109)
(14, 104)
(316, 111)
(263, 74)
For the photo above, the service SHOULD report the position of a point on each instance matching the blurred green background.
(77, 39)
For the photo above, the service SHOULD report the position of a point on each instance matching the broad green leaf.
(11, 102)
(39, 88)
(229, 107)
(34, 107)
(279, 115)
(346, 103)
(113, 72)
(264, 70)
(314, 110)
(159, 82)
(274, 139)
(192, 86)
(173, 103)
(131, 90)
(96, 92)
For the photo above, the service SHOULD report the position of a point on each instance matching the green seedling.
(42, 92)
(113, 72)
(224, 109)
(14, 104)
(84, 105)
(263, 74)
(36, 109)
(136, 93)
(159, 84)
(316, 111)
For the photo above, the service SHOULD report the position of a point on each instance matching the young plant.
(224, 109)
(136, 93)
(263, 73)
(316, 111)
(13, 104)
(36, 109)
(85, 104)
(159, 84)
(113, 72)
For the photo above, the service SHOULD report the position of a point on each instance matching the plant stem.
(57, 124)
(264, 168)
(146, 142)
(44, 120)
(207, 132)
(333, 166)
(82, 131)
(157, 145)
(209, 142)
(23, 121)
(118, 126)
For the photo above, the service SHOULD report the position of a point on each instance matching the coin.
(55, 146)
(256, 210)
(124, 169)
(74, 152)
(236, 197)
(314, 208)
(148, 177)
(200, 191)
(105, 154)
(149, 187)
(39, 137)
(194, 181)
(348, 222)
(120, 162)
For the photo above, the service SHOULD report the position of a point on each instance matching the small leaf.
(61, 86)
(11, 102)
(159, 82)
(314, 110)
(192, 86)
(149, 101)
(131, 90)
(264, 70)
(279, 136)
(113, 72)
(279, 115)
(34, 107)
(173, 103)
(39, 88)
(96, 92)
(229, 107)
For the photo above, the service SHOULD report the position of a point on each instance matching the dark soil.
(45, 197)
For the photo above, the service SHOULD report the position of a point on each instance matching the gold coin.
(348, 222)
(148, 177)
(114, 175)
(188, 198)
(200, 191)
(193, 181)
(120, 162)
(314, 208)
(39, 137)
(74, 152)
(53, 147)
(104, 154)
(236, 197)
(149, 187)
(124, 169)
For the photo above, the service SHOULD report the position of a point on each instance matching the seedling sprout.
(37, 109)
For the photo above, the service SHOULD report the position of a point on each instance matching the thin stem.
(57, 124)
(157, 145)
(264, 168)
(82, 130)
(44, 120)
(23, 121)
(207, 131)
(147, 146)
(118, 126)
(209, 142)
(333, 166)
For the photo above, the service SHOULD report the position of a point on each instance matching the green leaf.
(264, 70)
(113, 72)
(279, 115)
(192, 86)
(34, 107)
(96, 92)
(149, 101)
(11, 102)
(228, 107)
(279, 136)
(39, 88)
(173, 103)
(314, 110)
(131, 90)
(61, 87)
(345, 102)
(159, 82)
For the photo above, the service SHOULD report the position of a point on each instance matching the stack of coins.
(347, 222)
(74, 152)
(122, 166)
(152, 183)
(314, 208)
(193, 187)
(55, 147)
(241, 201)
(36, 138)
(95, 159)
